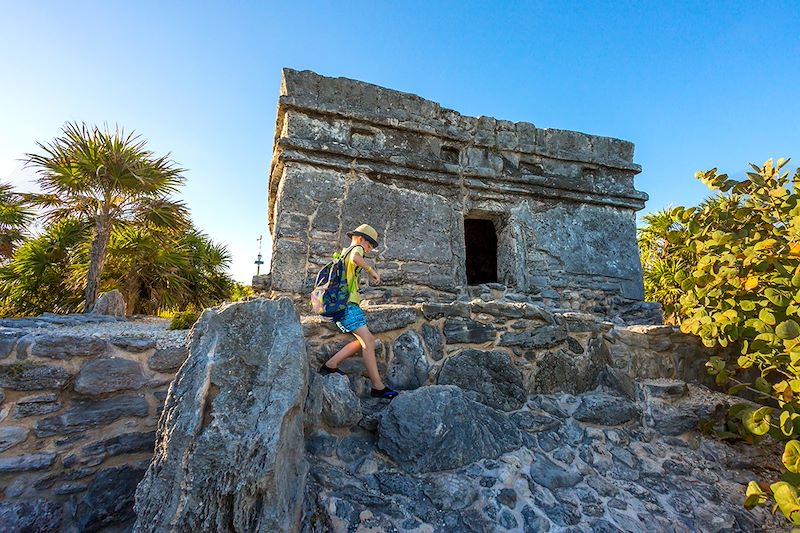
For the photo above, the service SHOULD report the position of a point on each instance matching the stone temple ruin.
(458, 201)
(538, 392)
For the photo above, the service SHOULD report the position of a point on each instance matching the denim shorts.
(353, 318)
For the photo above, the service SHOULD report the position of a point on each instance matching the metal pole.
(259, 262)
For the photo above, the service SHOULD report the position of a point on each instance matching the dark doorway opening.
(480, 238)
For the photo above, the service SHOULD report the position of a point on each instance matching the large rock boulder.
(438, 428)
(488, 377)
(229, 452)
(110, 303)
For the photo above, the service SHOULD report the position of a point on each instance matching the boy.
(363, 239)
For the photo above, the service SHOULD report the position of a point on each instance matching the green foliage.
(156, 268)
(667, 259)
(662, 262)
(241, 292)
(14, 218)
(743, 290)
(107, 179)
(42, 275)
(109, 222)
(184, 319)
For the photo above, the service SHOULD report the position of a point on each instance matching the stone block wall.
(562, 203)
(78, 414)
(555, 351)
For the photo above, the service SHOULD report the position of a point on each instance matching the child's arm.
(360, 261)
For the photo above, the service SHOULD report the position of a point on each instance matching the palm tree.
(209, 282)
(653, 236)
(665, 258)
(160, 269)
(14, 219)
(44, 274)
(108, 179)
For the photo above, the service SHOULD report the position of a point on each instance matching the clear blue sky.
(693, 84)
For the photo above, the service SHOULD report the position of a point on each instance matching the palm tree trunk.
(131, 296)
(97, 257)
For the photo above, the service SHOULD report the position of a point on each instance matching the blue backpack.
(330, 294)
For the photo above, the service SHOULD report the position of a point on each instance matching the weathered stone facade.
(561, 204)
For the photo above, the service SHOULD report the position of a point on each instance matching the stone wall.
(562, 203)
(555, 351)
(78, 413)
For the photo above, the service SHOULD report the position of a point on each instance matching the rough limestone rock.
(548, 474)
(133, 343)
(25, 376)
(605, 409)
(465, 330)
(66, 346)
(8, 339)
(433, 341)
(83, 415)
(387, 318)
(409, 368)
(109, 375)
(24, 463)
(110, 303)
(340, 406)
(562, 370)
(487, 377)
(166, 359)
(39, 516)
(230, 451)
(673, 407)
(438, 428)
(568, 475)
(10, 436)
(38, 404)
(541, 337)
(125, 443)
(109, 499)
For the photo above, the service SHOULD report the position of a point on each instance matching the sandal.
(326, 370)
(385, 393)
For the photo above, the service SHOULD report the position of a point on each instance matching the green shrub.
(744, 290)
(184, 319)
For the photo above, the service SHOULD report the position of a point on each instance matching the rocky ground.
(468, 449)
(433, 460)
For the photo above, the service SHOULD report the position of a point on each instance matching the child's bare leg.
(368, 352)
(347, 350)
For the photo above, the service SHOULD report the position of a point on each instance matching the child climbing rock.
(362, 240)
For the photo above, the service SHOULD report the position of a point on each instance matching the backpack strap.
(351, 249)
(353, 284)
